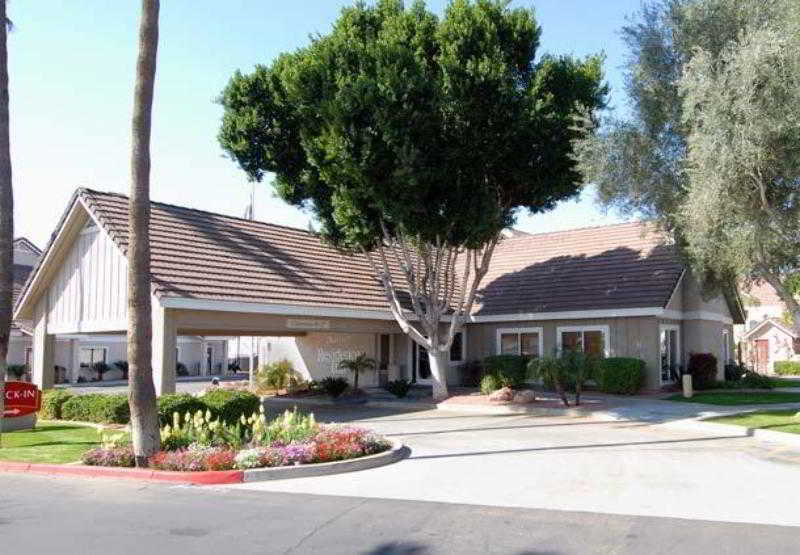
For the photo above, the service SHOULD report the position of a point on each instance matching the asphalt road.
(78, 516)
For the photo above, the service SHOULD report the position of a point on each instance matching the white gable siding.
(88, 293)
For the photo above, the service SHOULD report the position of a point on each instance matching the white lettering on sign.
(17, 395)
(306, 324)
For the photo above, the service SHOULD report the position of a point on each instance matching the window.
(520, 341)
(593, 340)
(670, 352)
(89, 356)
(457, 348)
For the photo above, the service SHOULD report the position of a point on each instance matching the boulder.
(524, 396)
(502, 394)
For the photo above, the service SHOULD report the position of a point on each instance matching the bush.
(100, 368)
(180, 403)
(181, 370)
(230, 405)
(52, 400)
(787, 367)
(398, 388)
(620, 375)
(703, 369)
(734, 372)
(334, 386)
(489, 384)
(124, 367)
(16, 370)
(471, 372)
(110, 456)
(97, 407)
(511, 370)
(194, 459)
(754, 380)
(276, 375)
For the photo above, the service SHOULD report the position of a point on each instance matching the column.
(43, 349)
(252, 360)
(204, 369)
(76, 360)
(165, 344)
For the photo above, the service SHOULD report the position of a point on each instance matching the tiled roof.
(24, 244)
(21, 273)
(618, 266)
(763, 293)
(202, 255)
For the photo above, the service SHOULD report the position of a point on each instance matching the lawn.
(739, 398)
(776, 420)
(784, 382)
(49, 443)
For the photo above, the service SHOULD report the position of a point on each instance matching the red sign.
(21, 398)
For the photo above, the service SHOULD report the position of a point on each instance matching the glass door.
(670, 354)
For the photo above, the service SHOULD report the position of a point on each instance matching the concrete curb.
(396, 453)
(393, 455)
(703, 424)
(193, 478)
(327, 403)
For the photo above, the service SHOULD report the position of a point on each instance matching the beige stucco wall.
(780, 346)
(692, 298)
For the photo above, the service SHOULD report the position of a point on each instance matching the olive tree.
(415, 139)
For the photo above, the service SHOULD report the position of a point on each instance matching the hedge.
(510, 370)
(787, 367)
(229, 405)
(180, 403)
(703, 368)
(97, 407)
(620, 375)
(52, 401)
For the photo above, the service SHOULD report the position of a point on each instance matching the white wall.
(88, 293)
(780, 346)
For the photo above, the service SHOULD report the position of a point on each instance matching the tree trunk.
(6, 213)
(142, 395)
(561, 392)
(439, 362)
(355, 382)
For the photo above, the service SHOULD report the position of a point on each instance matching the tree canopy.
(398, 120)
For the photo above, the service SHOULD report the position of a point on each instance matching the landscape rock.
(525, 396)
(502, 394)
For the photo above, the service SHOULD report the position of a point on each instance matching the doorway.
(762, 355)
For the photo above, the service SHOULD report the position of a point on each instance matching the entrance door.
(420, 365)
(670, 353)
(762, 355)
(210, 359)
(384, 348)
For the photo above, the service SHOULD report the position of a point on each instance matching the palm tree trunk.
(142, 396)
(6, 213)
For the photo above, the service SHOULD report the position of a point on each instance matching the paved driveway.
(606, 466)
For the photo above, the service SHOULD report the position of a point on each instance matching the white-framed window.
(520, 341)
(670, 343)
(593, 340)
(89, 356)
(726, 347)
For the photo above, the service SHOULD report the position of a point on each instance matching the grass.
(776, 420)
(784, 382)
(54, 443)
(738, 398)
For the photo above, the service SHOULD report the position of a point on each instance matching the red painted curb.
(196, 478)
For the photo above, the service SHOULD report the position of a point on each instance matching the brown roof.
(762, 293)
(610, 267)
(202, 255)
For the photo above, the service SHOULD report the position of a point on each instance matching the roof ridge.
(584, 228)
(198, 210)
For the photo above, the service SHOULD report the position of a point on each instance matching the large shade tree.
(142, 394)
(709, 130)
(415, 139)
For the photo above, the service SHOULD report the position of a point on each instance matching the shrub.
(101, 368)
(181, 370)
(489, 384)
(620, 375)
(276, 375)
(471, 372)
(52, 401)
(110, 456)
(334, 386)
(703, 369)
(511, 370)
(398, 388)
(754, 380)
(551, 370)
(97, 407)
(180, 403)
(124, 367)
(16, 370)
(787, 367)
(734, 372)
(336, 443)
(230, 405)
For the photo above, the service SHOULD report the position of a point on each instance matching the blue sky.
(71, 68)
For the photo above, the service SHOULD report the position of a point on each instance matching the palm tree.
(142, 395)
(6, 212)
(356, 366)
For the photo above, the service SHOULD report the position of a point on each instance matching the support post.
(43, 349)
(165, 343)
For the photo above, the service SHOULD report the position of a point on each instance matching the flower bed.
(197, 443)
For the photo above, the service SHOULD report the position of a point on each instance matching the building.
(74, 354)
(767, 337)
(616, 290)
